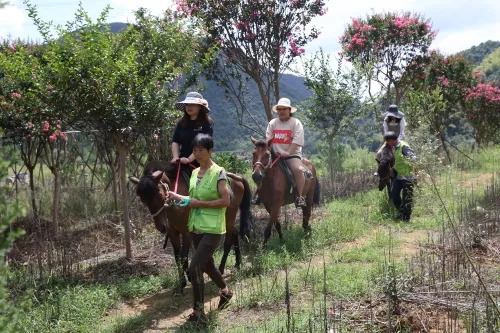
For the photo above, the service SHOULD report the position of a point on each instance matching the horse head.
(261, 158)
(152, 189)
(385, 163)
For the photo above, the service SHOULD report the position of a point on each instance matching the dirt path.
(166, 312)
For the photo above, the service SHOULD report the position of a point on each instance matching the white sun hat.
(286, 103)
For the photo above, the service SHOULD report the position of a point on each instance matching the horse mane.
(147, 188)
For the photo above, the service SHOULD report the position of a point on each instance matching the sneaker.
(300, 202)
(224, 299)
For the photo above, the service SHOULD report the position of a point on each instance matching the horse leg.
(277, 225)
(306, 211)
(237, 251)
(228, 243)
(186, 246)
(176, 243)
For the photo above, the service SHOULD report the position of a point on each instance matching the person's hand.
(174, 160)
(285, 155)
(184, 160)
(173, 196)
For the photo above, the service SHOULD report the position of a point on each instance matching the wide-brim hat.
(192, 98)
(286, 103)
(392, 111)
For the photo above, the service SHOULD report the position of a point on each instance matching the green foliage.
(490, 66)
(335, 103)
(231, 162)
(476, 54)
(9, 211)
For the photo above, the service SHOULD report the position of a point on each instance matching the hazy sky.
(460, 23)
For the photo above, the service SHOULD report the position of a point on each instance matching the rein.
(178, 174)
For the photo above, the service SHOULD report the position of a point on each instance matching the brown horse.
(274, 190)
(385, 161)
(157, 178)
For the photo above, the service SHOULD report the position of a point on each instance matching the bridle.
(269, 163)
(166, 202)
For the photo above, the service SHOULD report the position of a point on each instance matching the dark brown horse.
(385, 161)
(274, 190)
(158, 177)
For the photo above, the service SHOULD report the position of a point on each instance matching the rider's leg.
(298, 173)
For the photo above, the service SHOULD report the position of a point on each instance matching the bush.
(231, 162)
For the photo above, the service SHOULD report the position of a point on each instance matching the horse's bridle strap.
(166, 202)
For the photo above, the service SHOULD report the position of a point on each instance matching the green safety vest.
(402, 164)
(206, 220)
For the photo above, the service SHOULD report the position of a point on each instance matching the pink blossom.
(46, 126)
(16, 95)
(52, 138)
(30, 124)
(155, 137)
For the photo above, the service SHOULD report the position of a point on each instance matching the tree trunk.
(122, 154)
(443, 144)
(115, 187)
(31, 172)
(331, 161)
(265, 100)
(55, 199)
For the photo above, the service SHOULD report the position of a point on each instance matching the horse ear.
(253, 139)
(270, 142)
(157, 176)
(133, 180)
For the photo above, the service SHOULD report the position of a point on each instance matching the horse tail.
(316, 193)
(246, 217)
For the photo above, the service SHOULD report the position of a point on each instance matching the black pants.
(403, 204)
(203, 262)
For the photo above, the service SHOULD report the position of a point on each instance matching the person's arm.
(408, 152)
(297, 138)
(175, 151)
(223, 201)
(402, 125)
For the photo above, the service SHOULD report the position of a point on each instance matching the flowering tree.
(439, 87)
(258, 38)
(27, 109)
(382, 45)
(336, 100)
(483, 112)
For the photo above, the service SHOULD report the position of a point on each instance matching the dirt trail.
(168, 312)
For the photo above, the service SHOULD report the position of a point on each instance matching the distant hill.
(476, 54)
(228, 134)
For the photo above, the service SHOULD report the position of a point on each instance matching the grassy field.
(339, 278)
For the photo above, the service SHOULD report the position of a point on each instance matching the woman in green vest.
(404, 178)
(208, 199)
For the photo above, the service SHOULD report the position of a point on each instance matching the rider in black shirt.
(195, 120)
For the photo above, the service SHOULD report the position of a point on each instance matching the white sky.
(460, 23)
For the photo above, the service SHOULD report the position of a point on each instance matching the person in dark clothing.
(404, 178)
(194, 121)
